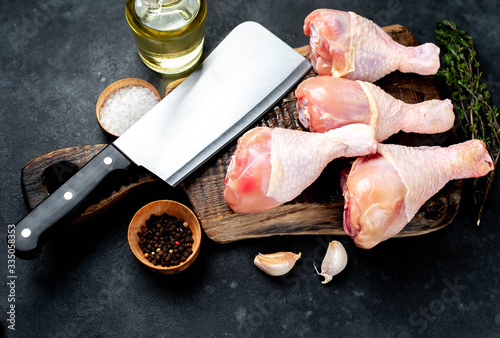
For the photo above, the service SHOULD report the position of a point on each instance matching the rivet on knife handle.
(66, 201)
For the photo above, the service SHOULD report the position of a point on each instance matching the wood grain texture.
(318, 210)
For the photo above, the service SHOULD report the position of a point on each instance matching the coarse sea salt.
(125, 106)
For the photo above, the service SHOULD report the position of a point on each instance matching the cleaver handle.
(66, 201)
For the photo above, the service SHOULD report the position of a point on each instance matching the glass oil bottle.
(169, 34)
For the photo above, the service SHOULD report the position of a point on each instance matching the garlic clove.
(276, 264)
(334, 262)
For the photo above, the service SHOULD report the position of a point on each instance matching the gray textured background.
(56, 58)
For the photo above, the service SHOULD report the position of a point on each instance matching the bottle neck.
(166, 15)
(155, 6)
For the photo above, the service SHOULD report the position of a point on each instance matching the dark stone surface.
(56, 58)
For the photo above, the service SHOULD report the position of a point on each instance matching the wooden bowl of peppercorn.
(165, 236)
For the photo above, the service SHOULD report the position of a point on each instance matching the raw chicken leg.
(273, 166)
(385, 190)
(326, 103)
(344, 44)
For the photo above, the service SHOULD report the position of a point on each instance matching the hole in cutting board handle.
(57, 174)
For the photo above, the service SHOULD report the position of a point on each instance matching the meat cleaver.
(246, 75)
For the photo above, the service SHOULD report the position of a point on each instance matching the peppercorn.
(165, 240)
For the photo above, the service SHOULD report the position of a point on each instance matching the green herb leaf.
(471, 98)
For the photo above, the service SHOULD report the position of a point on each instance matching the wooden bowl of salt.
(123, 103)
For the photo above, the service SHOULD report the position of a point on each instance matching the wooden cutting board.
(318, 210)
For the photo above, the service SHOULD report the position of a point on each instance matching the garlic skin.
(334, 262)
(276, 264)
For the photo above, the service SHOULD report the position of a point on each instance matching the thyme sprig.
(471, 99)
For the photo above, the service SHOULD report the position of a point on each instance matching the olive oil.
(169, 36)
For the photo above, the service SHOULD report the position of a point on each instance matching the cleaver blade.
(246, 75)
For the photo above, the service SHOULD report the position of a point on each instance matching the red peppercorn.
(177, 243)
